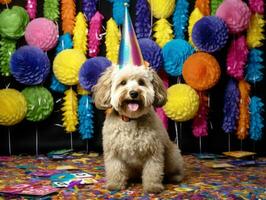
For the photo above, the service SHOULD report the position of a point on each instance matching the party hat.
(129, 51)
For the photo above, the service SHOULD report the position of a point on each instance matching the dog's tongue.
(133, 106)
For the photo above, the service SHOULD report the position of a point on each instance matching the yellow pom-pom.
(182, 104)
(163, 32)
(13, 107)
(195, 16)
(70, 109)
(82, 91)
(112, 41)
(67, 64)
(255, 31)
(80, 33)
(162, 8)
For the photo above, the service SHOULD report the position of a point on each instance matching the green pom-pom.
(40, 103)
(7, 47)
(51, 9)
(214, 5)
(13, 22)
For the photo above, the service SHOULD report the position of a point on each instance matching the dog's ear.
(102, 90)
(160, 96)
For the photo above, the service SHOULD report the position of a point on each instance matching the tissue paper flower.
(40, 103)
(175, 53)
(68, 13)
(42, 33)
(30, 65)
(204, 6)
(163, 32)
(201, 71)
(182, 103)
(256, 6)
(51, 9)
(255, 35)
(89, 8)
(67, 64)
(31, 8)
(180, 18)
(162, 8)
(7, 48)
(13, 107)
(80, 33)
(195, 16)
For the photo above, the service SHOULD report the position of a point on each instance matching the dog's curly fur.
(140, 147)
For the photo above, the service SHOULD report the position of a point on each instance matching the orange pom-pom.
(201, 71)
(5, 1)
(204, 6)
(68, 13)
(243, 121)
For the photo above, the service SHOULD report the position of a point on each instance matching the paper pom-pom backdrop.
(13, 107)
(180, 18)
(40, 103)
(68, 12)
(51, 9)
(143, 19)
(163, 32)
(195, 16)
(89, 8)
(31, 8)
(182, 104)
(7, 48)
(80, 32)
(254, 66)
(30, 65)
(162, 8)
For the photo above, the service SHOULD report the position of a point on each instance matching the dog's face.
(131, 91)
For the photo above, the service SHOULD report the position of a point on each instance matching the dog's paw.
(153, 188)
(115, 186)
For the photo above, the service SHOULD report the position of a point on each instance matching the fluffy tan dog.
(135, 142)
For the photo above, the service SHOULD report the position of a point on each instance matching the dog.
(135, 143)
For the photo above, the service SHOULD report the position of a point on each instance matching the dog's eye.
(141, 82)
(124, 82)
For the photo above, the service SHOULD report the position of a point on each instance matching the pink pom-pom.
(237, 57)
(31, 8)
(94, 34)
(235, 13)
(42, 33)
(256, 6)
(200, 124)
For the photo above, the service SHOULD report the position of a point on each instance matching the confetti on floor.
(201, 182)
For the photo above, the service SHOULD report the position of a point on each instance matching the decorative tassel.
(214, 5)
(162, 8)
(119, 10)
(80, 33)
(112, 41)
(195, 16)
(143, 19)
(163, 32)
(231, 107)
(180, 18)
(51, 9)
(70, 108)
(243, 121)
(200, 122)
(237, 58)
(31, 8)
(256, 6)
(85, 111)
(256, 108)
(89, 8)
(68, 13)
(204, 6)
(255, 31)
(7, 47)
(254, 66)
(94, 34)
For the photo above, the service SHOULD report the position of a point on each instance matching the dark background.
(52, 137)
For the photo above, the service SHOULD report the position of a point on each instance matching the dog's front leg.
(116, 174)
(152, 174)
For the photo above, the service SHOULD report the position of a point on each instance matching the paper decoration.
(163, 32)
(7, 47)
(81, 90)
(80, 32)
(143, 19)
(70, 109)
(237, 57)
(31, 8)
(195, 16)
(182, 104)
(5, 1)
(40, 103)
(119, 10)
(13, 107)
(162, 8)
(214, 5)
(204, 6)
(180, 18)
(255, 35)
(51, 9)
(256, 6)
(89, 8)
(30, 65)
(68, 13)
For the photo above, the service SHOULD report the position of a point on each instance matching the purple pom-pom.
(143, 19)
(91, 71)
(89, 8)
(231, 107)
(151, 53)
(210, 34)
(30, 65)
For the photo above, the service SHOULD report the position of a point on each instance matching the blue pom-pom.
(89, 8)
(254, 66)
(151, 53)
(210, 34)
(180, 18)
(175, 54)
(30, 65)
(85, 112)
(256, 107)
(143, 19)
(91, 71)
(231, 107)
(119, 10)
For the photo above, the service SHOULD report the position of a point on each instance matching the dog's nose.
(133, 94)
